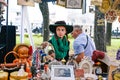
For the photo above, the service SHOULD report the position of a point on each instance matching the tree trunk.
(45, 13)
(108, 34)
(99, 30)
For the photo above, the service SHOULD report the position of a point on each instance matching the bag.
(10, 67)
(97, 54)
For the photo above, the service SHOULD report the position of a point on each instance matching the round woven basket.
(3, 75)
(14, 76)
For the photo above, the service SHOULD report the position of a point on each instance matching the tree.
(99, 30)
(108, 34)
(45, 13)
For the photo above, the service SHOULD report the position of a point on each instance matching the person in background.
(60, 40)
(83, 44)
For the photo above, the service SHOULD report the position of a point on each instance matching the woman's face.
(60, 31)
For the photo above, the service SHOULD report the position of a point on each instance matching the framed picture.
(38, 1)
(26, 2)
(62, 72)
(86, 65)
(61, 2)
(76, 4)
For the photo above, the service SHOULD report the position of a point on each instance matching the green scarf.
(61, 47)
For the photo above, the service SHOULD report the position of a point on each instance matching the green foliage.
(37, 39)
(115, 45)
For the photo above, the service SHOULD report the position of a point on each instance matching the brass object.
(14, 76)
(106, 5)
(63, 60)
(3, 75)
(116, 74)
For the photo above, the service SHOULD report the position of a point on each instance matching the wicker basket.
(10, 67)
(14, 76)
(3, 75)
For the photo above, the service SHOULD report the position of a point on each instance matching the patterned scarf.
(61, 47)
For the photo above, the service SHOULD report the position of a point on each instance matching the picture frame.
(75, 4)
(38, 1)
(26, 3)
(61, 2)
(62, 72)
(86, 65)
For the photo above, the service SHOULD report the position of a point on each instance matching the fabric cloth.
(98, 55)
(80, 42)
(61, 47)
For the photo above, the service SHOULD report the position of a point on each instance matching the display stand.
(25, 23)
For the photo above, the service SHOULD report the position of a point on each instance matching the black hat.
(52, 27)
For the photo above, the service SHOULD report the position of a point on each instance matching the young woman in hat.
(59, 40)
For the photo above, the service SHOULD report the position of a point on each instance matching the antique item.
(79, 73)
(116, 74)
(72, 62)
(116, 6)
(89, 76)
(86, 64)
(46, 46)
(24, 52)
(46, 72)
(106, 5)
(96, 2)
(37, 1)
(26, 2)
(61, 2)
(111, 15)
(62, 72)
(15, 76)
(76, 4)
(10, 66)
(111, 69)
(55, 62)
(3, 75)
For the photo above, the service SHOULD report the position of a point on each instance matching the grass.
(115, 45)
(38, 39)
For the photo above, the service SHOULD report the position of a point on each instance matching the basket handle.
(11, 52)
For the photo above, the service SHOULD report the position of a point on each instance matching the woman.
(59, 40)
